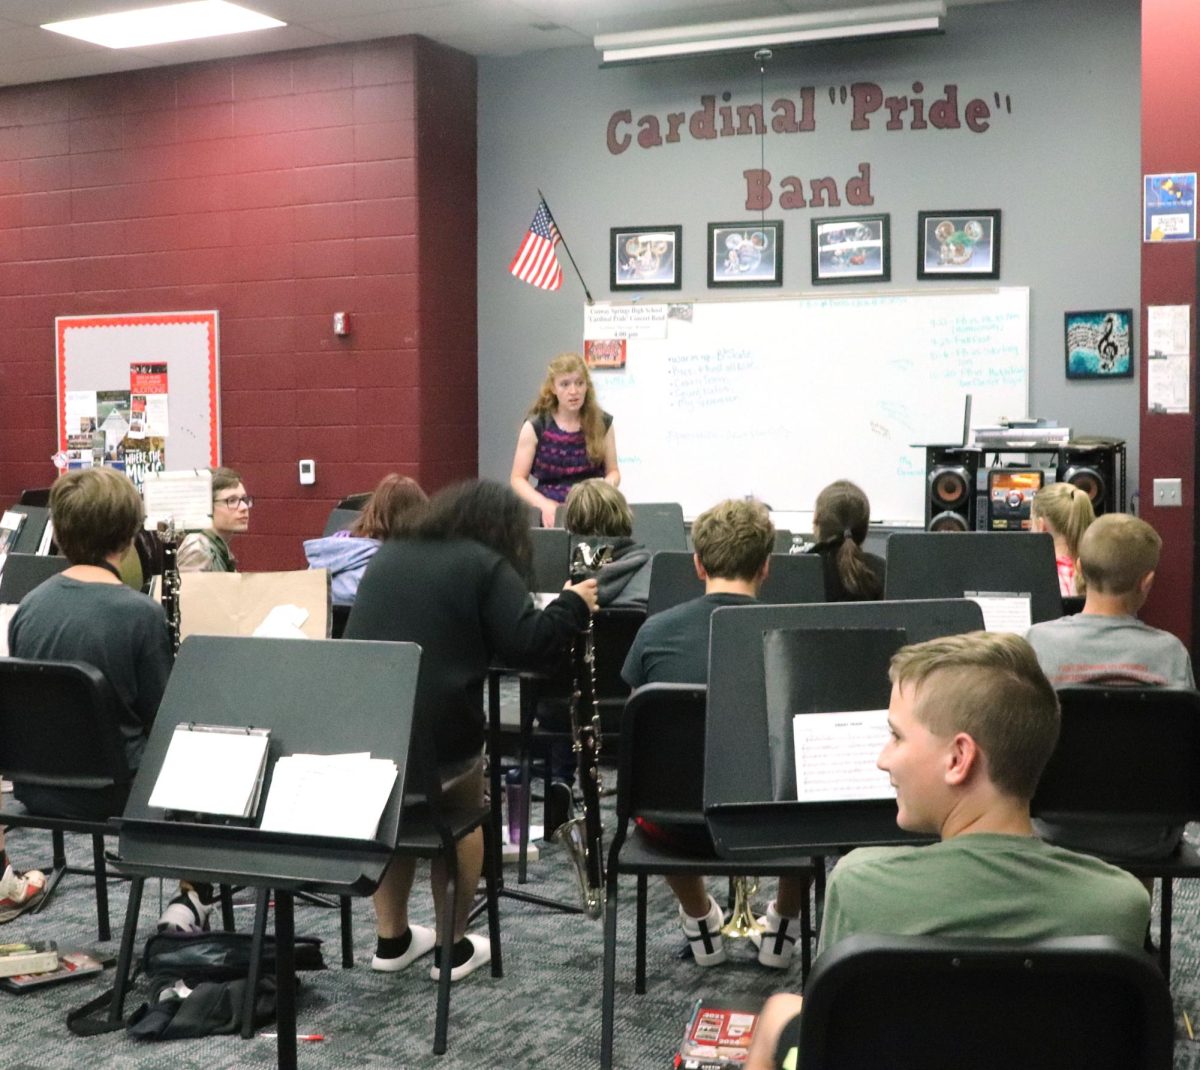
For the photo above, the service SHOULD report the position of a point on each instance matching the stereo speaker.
(1092, 469)
(951, 474)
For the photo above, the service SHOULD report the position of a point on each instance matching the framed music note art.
(1099, 345)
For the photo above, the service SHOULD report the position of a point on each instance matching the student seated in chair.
(733, 542)
(1107, 644)
(87, 614)
(973, 722)
(208, 550)
(598, 513)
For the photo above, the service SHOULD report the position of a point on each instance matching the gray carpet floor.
(544, 1012)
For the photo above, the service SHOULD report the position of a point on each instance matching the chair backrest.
(354, 502)
(791, 579)
(613, 631)
(930, 564)
(23, 572)
(783, 541)
(39, 496)
(934, 1003)
(340, 519)
(58, 725)
(551, 558)
(1125, 751)
(662, 752)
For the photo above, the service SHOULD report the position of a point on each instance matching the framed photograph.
(851, 249)
(1099, 345)
(645, 258)
(959, 244)
(745, 254)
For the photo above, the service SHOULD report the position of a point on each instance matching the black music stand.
(744, 816)
(931, 564)
(23, 572)
(29, 538)
(791, 579)
(550, 565)
(316, 696)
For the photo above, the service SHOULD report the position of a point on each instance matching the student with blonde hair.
(597, 511)
(565, 439)
(1065, 511)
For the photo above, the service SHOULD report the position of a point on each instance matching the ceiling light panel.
(160, 25)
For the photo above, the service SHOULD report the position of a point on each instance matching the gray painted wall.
(1063, 167)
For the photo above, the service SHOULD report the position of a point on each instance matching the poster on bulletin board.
(139, 392)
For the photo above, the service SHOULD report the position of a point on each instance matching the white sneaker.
(421, 943)
(704, 934)
(481, 954)
(19, 892)
(185, 914)
(777, 940)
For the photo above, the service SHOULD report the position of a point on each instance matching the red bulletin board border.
(143, 319)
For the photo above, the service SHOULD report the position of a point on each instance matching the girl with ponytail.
(840, 520)
(1065, 511)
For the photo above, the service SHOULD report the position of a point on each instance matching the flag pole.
(587, 293)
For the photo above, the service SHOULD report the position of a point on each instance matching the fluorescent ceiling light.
(889, 20)
(160, 25)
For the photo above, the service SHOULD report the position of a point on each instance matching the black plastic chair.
(58, 729)
(339, 520)
(1129, 753)
(937, 1003)
(662, 752)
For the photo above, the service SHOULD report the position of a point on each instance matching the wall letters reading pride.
(865, 106)
(775, 398)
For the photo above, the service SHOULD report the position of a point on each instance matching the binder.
(212, 769)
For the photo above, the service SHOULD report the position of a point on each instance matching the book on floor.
(37, 956)
(717, 1037)
(71, 966)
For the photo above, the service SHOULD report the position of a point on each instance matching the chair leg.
(806, 938)
(527, 789)
(639, 981)
(262, 907)
(225, 892)
(1164, 927)
(609, 994)
(60, 849)
(58, 869)
(819, 890)
(101, 870)
(442, 1021)
(492, 883)
(116, 1007)
(347, 932)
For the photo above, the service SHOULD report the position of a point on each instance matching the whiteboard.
(776, 398)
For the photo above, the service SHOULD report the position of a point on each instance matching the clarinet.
(584, 835)
(170, 580)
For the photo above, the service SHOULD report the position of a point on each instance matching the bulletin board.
(139, 392)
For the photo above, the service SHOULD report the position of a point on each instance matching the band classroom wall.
(777, 397)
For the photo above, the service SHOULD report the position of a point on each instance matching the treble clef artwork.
(1106, 348)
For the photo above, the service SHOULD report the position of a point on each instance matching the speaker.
(1093, 469)
(951, 474)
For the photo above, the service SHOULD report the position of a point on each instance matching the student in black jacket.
(454, 583)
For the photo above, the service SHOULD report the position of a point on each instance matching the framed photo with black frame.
(851, 249)
(745, 254)
(645, 258)
(1099, 345)
(959, 244)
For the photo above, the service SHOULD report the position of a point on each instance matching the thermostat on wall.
(308, 473)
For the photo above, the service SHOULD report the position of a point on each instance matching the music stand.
(29, 538)
(316, 696)
(23, 572)
(744, 817)
(930, 564)
(550, 564)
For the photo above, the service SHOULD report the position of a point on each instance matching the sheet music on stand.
(213, 769)
(1004, 611)
(183, 497)
(340, 795)
(836, 754)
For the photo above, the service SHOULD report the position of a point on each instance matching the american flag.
(536, 262)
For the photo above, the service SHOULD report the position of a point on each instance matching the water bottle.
(516, 798)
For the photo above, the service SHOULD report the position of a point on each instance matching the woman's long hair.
(489, 513)
(387, 510)
(840, 520)
(590, 416)
(1067, 511)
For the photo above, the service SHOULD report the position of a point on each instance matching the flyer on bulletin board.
(1169, 207)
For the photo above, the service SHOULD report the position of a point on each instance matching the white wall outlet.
(1168, 492)
(308, 473)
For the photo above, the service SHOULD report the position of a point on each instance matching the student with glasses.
(208, 551)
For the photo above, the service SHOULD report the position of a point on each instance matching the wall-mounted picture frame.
(745, 254)
(645, 258)
(959, 244)
(1099, 345)
(855, 248)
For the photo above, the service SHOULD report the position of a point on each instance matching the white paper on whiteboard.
(1003, 611)
(184, 496)
(836, 755)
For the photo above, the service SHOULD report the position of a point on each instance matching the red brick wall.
(276, 189)
(1170, 119)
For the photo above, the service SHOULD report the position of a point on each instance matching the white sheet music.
(836, 753)
(1003, 611)
(340, 795)
(212, 769)
(185, 497)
